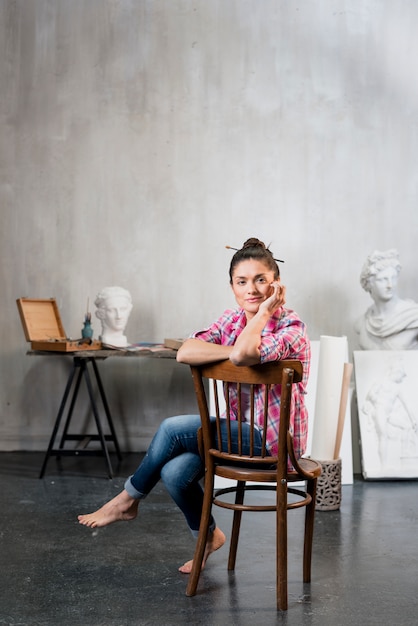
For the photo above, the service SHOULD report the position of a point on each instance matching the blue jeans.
(173, 456)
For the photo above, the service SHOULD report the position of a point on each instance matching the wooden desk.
(82, 362)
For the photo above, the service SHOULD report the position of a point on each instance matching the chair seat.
(309, 466)
(243, 473)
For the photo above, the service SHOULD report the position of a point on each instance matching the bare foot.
(215, 541)
(121, 508)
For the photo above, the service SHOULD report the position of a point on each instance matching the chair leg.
(281, 547)
(309, 526)
(236, 525)
(203, 535)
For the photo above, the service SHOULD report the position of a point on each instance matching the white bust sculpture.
(390, 323)
(114, 305)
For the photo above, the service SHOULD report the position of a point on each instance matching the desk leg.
(77, 364)
(81, 364)
(59, 417)
(106, 408)
(97, 418)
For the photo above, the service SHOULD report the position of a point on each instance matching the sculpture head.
(380, 273)
(114, 305)
(391, 323)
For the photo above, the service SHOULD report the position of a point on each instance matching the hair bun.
(253, 242)
(253, 248)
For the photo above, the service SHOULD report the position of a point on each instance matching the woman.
(259, 330)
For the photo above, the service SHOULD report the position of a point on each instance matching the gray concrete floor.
(56, 572)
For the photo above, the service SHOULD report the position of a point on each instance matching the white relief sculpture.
(390, 416)
(387, 399)
(114, 305)
(390, 323)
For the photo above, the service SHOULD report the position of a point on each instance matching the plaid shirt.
(283, 337)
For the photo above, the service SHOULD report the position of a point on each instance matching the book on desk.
(146, 346)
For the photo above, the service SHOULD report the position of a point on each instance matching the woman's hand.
(275, 301)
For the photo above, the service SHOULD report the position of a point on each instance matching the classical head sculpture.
(114, 305)
(379, 275)
(390, 323)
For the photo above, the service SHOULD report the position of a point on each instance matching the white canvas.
(346, 452)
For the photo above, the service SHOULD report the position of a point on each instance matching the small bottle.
(87, 330)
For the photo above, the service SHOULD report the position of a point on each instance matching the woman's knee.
(179, 424)
(182, 471)
(168, 430)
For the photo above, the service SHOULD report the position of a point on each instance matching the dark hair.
(253, 248)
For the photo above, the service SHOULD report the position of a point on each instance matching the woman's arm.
(196, 352)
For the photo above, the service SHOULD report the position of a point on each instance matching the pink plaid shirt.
(284, 337)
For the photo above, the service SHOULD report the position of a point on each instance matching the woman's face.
(251, 284)
(383, 284)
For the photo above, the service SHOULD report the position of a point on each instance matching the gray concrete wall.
(138, 138)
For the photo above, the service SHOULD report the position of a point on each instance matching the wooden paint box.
(43, 327)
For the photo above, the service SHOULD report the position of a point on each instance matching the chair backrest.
(242, 384)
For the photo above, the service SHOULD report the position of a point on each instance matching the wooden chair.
(221, 461)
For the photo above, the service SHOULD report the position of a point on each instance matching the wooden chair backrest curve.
(245, 380)
(263, 373)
